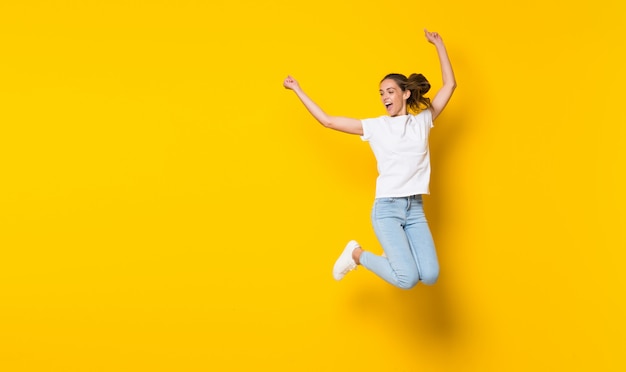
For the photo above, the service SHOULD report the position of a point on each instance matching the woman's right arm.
(342, 124)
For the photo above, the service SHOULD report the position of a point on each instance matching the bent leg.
(421, 242)
(398, 267)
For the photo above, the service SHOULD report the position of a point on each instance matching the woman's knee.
(408, 281)
(430, 277)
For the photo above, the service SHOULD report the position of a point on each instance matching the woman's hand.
(433, 37)
(291, 83)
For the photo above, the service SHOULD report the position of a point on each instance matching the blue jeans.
(402, 230)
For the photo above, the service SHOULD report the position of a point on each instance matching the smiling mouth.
(388, 106)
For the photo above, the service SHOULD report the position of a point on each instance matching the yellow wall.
(165, 205)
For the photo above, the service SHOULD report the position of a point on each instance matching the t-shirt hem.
(402, 195)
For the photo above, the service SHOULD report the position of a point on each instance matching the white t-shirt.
(400, 145)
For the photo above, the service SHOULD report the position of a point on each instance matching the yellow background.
(165, 205)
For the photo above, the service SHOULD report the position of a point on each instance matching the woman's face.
(393, 97)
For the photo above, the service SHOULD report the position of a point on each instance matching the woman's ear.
(407, 94)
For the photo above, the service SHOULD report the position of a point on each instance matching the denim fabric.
(402, 230)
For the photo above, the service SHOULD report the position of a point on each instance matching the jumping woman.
(399, 141)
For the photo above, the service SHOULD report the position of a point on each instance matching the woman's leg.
(399, 268)
(421, 242)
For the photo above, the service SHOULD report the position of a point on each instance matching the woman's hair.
(418, 85)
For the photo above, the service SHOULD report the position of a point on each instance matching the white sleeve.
(367, 129)
(428, 118)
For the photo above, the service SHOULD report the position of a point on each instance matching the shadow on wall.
(449, 132)
(423, 318)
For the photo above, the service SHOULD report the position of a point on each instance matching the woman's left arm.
(449, 83)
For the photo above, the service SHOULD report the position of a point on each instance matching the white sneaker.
(345, 263)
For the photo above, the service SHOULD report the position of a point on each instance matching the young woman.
(399, 141)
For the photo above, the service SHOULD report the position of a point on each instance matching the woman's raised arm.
(342, 124)
(449, 83)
